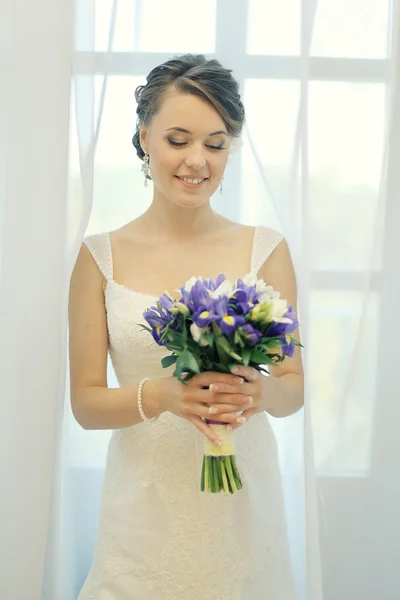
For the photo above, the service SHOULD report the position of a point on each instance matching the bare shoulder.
(278, 269)
(85, 273)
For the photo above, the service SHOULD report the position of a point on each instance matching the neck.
(168, 219)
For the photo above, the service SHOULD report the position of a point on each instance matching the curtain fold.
(34, 109)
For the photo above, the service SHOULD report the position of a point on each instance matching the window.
(346, 114)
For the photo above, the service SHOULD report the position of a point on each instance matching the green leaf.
(224, 345)
(219, 367)
(174, 336)
(257, 356)
(216, 330)
(185, 332)
(296, 343)
(167, 361)
(246, 354)
(189, 361)
(179, 368)
(270, 344)
(145, 328)
(209, 337)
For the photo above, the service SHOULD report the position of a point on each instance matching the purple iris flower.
(155, 318)
(246, 297)
(228, 320)
(287, 349)
(204, 317)
(277, 328)
(250, 334)
(166, 302)
(200, 297)
(158, 319)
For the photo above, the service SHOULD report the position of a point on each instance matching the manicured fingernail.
(214, 387)
(213, 410)
(229, 427)
(236, 369)
(241, 420)
(249, 399)
(218, 443)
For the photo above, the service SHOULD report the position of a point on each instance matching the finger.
(208, 377)
(249, 373)
(229, 418)
(218, 409)
(200, 410)
(237, 399)
(246, 414)
(223, 388)
(206, 430)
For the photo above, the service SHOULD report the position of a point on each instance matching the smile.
(192, 182)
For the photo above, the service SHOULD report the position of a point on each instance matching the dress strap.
(99, 246)
(265, 242)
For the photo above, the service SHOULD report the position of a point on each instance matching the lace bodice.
(160, 538)
(132, 350)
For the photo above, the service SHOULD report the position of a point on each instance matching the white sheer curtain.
(320, 82)
(36, 52)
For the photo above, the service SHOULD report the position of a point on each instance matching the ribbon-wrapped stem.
(219, 470)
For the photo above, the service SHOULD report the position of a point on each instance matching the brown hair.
(190, 74)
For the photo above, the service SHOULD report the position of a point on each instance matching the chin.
(190, 202)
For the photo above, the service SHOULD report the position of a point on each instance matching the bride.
(159, 536)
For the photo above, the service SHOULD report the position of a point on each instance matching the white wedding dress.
(160, 537)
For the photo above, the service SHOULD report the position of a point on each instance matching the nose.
(195, 158)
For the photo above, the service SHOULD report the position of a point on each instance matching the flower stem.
(229, 471)
(215, 474)
(224, 478)
(207, 475)
(238, 480)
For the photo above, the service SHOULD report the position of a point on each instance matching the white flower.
(190, 283)
(278, 309)
(197, 332)
(182, 308)
(268, 290)
(225, 289)
(268, 295)
(249, 279)
(283, 320)
(261, 286)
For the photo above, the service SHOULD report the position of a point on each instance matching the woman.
(160, 537)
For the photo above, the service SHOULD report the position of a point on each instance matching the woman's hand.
(253, 387)
(193, 400)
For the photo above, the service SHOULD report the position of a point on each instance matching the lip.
(191, 185)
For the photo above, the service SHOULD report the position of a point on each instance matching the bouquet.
(212, 327)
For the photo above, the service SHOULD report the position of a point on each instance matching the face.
(188, 145)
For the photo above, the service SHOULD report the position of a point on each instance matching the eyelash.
(181, 144)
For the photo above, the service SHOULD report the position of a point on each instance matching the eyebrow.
(186, 131)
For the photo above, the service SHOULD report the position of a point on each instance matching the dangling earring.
(220, 189)
(146, 168)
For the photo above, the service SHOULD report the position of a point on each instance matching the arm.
(94, 405)
(285, 385)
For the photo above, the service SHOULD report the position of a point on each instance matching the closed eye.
(181, 144)
(176, 144)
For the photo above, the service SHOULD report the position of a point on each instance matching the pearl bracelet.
(139, 401)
